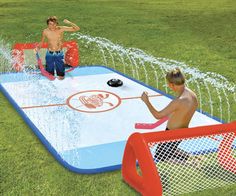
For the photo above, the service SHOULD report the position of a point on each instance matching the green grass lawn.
(199, 33)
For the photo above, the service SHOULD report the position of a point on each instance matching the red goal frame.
(137, 150)
(71, 55)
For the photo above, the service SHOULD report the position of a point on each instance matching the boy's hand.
(144, 97)
(73, 27)
(37, 48)
(66, 21)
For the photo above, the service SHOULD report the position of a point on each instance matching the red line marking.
(43, 106)
(53, 105)
(140, 97)
(89, 91)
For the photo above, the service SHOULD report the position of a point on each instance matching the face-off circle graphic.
(93, 101)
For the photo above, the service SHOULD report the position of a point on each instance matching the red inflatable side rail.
(225, 157)
(148, 183)
(71, 55)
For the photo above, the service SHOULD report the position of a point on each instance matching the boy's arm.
(42, 40)
(159, 114)
(73, 27)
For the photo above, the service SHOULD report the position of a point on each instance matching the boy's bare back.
(185, 105)
(180, 110)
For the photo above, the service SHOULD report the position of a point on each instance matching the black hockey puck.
(115, 82)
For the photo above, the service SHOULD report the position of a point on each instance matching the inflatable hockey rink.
(84, 122)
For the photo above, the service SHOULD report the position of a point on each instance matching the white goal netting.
(195, 164)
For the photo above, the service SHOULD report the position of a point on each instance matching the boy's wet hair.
(175, 76)
(52, 19)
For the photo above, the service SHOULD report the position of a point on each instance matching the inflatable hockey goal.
(23, 54)
(181, 161)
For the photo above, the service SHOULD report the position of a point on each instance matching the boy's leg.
(166, 151)
(60, 67)
(49, 63)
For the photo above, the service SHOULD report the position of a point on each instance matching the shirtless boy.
(54, 36)
(179, 112)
